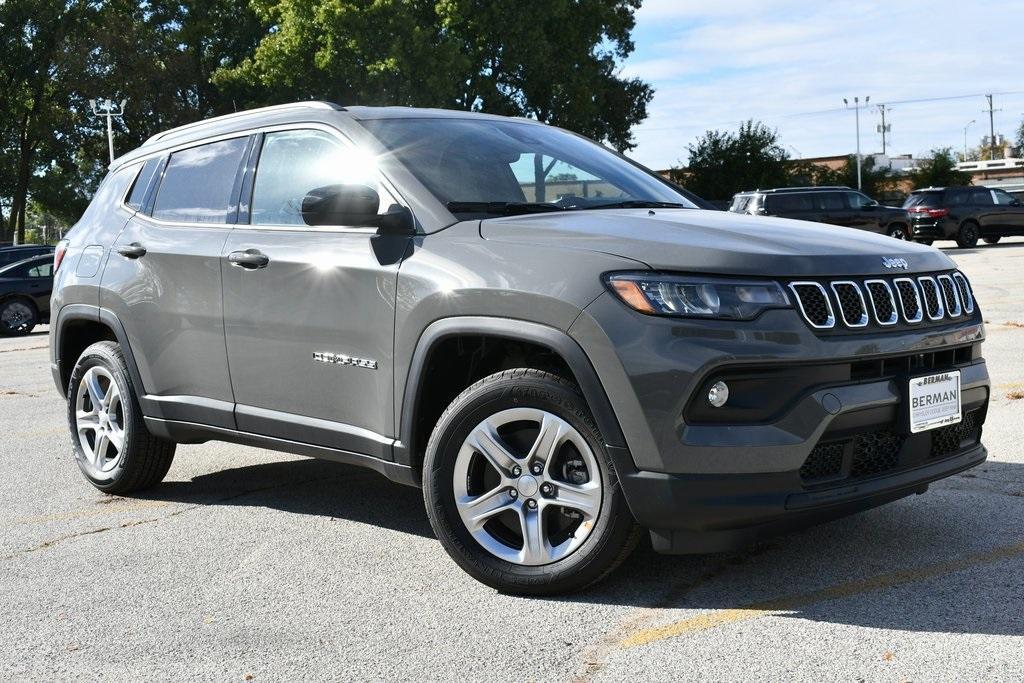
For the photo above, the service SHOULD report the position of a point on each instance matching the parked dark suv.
(964, 214)
(542, 334)
(835, 205)
(22, 252)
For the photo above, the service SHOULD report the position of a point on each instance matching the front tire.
(967, 238)
(18, 317)
(112, 446)
(520, 489)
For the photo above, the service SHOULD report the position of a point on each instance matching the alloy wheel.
(99, 420)
(527, 486)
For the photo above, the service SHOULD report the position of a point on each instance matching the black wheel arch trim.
(508, 328)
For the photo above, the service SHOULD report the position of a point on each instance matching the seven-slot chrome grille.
(883, 302)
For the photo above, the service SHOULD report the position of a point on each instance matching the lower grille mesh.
(875, 452)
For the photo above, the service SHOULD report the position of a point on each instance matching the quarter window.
(198, 183)
(145, 177)
(42, 270)
(294, 162)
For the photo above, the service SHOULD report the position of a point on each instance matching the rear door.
(798, 205)
(834, 209)
(310, 319)
(163, 281)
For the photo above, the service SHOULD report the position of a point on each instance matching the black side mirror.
(1015, 202)
(355, 205)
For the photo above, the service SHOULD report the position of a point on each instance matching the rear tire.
(112, 446)
(484, 448)
(967, 237)
(991, 240)
(898, 232)
(18, 317)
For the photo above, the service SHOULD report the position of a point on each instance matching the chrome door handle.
(250, 259)
(132, 251)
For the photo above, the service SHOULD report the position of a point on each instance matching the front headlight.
(695, 296)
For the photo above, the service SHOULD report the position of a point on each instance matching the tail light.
(58, 254)
(931, 213)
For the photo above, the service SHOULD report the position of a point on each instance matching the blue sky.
(713, 64)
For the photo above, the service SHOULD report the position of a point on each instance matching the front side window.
(464, 161)
(1002, 198)
(294, 162)
(857, 200)
(198, 182)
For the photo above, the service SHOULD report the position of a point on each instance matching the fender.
(93, 314)
(542, 335)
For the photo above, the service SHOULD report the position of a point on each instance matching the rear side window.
(928, 200)
(981, 197)
(138, 192)
(830, 201)
(786, 203)
(198, 183)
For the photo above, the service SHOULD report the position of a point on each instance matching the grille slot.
(950, 296)
(932, 301)
(946, 440)
(882, 302)
(824, 462)
(875, 452)
(910, 300)
(851, 303)
(814, 304)
(966, 296)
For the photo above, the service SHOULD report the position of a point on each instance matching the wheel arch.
(440, 335)
(76, 327)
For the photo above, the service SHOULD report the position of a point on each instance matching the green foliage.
(177, 62)
(939, 170)
(1019, 139)
(722, 163)
(553, 61)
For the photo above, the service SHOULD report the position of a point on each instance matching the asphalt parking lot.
(251, 565)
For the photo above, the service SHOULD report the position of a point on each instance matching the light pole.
(969, 124)
(109, 109)
(856, 109)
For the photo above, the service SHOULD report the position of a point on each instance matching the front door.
(1011, 213)
(309, 311)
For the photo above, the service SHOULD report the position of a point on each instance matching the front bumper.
(703, 487)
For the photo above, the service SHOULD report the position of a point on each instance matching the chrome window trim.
(917, 295)
(863, 304)
(966, 294)
(874, 309)
(938, 295)
(956, 295)
(831, 322)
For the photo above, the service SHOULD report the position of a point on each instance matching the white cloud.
(715, 66)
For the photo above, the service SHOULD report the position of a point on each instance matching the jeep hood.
(701, 241)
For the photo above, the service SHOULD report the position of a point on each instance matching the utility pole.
(856, 108)
(884, 128)
(991, 128)
(109, 109)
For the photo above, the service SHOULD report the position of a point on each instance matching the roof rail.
(808, 188)
(312, 104)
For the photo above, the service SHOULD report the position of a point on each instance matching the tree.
(939, 170)
(724, 163)
(552, 61)
(1019, 139)
(875, 180)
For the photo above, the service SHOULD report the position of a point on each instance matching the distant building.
(1006, 174)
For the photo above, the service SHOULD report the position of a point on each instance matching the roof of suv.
(780, 190)
(287, 113)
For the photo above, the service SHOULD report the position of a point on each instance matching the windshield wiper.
(635, 204)
(502, 208)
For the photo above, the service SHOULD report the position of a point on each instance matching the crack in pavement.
(188, 508)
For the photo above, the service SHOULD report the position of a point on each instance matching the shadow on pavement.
(964, 517)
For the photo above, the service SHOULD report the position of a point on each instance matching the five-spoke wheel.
(99, 417)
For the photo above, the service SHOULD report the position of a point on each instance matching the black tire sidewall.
(898, 232)
(4, 332)
(614, 522)
(968, 235)
(102, 354)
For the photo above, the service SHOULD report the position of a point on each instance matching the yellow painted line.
(723, 617)
(98, 510)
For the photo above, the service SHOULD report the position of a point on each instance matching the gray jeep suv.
(545, 336)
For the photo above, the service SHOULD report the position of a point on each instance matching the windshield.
(494, 166)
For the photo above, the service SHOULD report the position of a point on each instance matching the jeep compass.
(549, 339)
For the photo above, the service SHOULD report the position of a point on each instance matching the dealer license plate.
(934, 401)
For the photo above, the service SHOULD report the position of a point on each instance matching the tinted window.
(138, 193)
(786, 203)
(44, 269)
(830, 201)
(481, 160)
(198, 182)
(857, 200)
(740, 203)
(294, 162)
(981, 197)
(957, 197)
(33, 269)
(930, 200)
(1002, 198)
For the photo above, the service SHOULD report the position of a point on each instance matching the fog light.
(718, 394)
